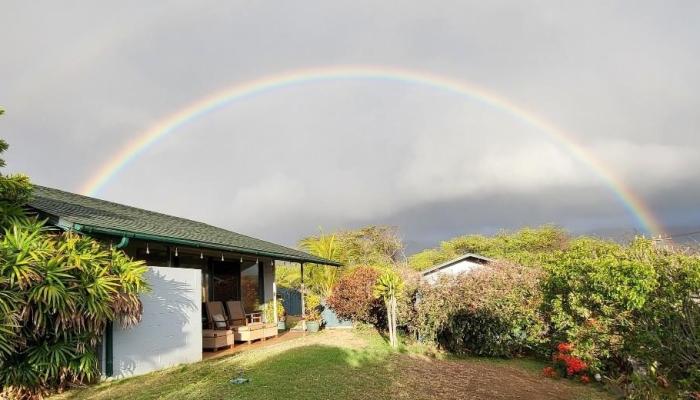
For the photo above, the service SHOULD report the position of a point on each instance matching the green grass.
(328, 365)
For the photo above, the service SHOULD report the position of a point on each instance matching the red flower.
(565, 347)
(585, 379)
(549, 372)
(574, 365)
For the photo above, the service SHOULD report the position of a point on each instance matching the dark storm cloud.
(79, 80)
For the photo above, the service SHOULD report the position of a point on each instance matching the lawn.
(343, 365)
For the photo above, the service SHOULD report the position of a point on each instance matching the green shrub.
(491, 312)
(593, 292)
(668, 332)
(627, 309)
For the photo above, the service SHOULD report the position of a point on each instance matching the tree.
(388, 288)
(372, 245)
(15, 191)
(528, 246)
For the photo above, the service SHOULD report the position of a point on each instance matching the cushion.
(219, 321)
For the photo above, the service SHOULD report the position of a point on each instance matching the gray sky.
(79, 80)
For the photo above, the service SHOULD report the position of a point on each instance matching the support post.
(303, 294)
(274, 292)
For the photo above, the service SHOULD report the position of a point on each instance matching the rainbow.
(627, 197)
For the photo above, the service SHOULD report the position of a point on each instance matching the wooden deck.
(243, 346)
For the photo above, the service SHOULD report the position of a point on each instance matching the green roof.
(89, 215)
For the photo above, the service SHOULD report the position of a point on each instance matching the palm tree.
(388, 288)
(322, 278)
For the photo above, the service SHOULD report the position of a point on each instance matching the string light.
(222, 256)
(201, 255)
(256, 261)
(148, 251)
(176, 252)
(241, 260)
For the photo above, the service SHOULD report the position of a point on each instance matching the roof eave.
(455, 261)
(194, 243)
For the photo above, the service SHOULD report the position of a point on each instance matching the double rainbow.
(120, 160)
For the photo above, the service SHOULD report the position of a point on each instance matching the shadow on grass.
(307, 372)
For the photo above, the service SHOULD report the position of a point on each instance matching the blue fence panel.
(292, 304)
(331, 319)
(291, 299)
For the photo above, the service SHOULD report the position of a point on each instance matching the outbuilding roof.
(80, 213)
(470, 256)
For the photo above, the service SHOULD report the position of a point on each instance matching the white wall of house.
(170, 332)
(457, 268)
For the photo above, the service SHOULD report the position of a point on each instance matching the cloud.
(80, 82)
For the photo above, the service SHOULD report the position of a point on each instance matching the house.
(189, 263)
(461, 264)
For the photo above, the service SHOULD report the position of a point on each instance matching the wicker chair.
(245, 327)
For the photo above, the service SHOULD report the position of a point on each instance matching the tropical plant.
(388, 288)
(58, 291)
(64, 289)
(321, 278)
(281, 311)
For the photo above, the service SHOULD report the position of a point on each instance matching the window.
(225, 282)
(251, 292)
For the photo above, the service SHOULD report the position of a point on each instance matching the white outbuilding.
(462, 264)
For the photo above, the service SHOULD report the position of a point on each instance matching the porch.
(241, 347)
(225, 276)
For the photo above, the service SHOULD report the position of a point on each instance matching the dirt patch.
(340, 338)
(424, 378)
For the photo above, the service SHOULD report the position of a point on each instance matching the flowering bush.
(568, 364)
(353, 297)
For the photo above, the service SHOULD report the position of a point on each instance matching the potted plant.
(313, 313)
(268, 311)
